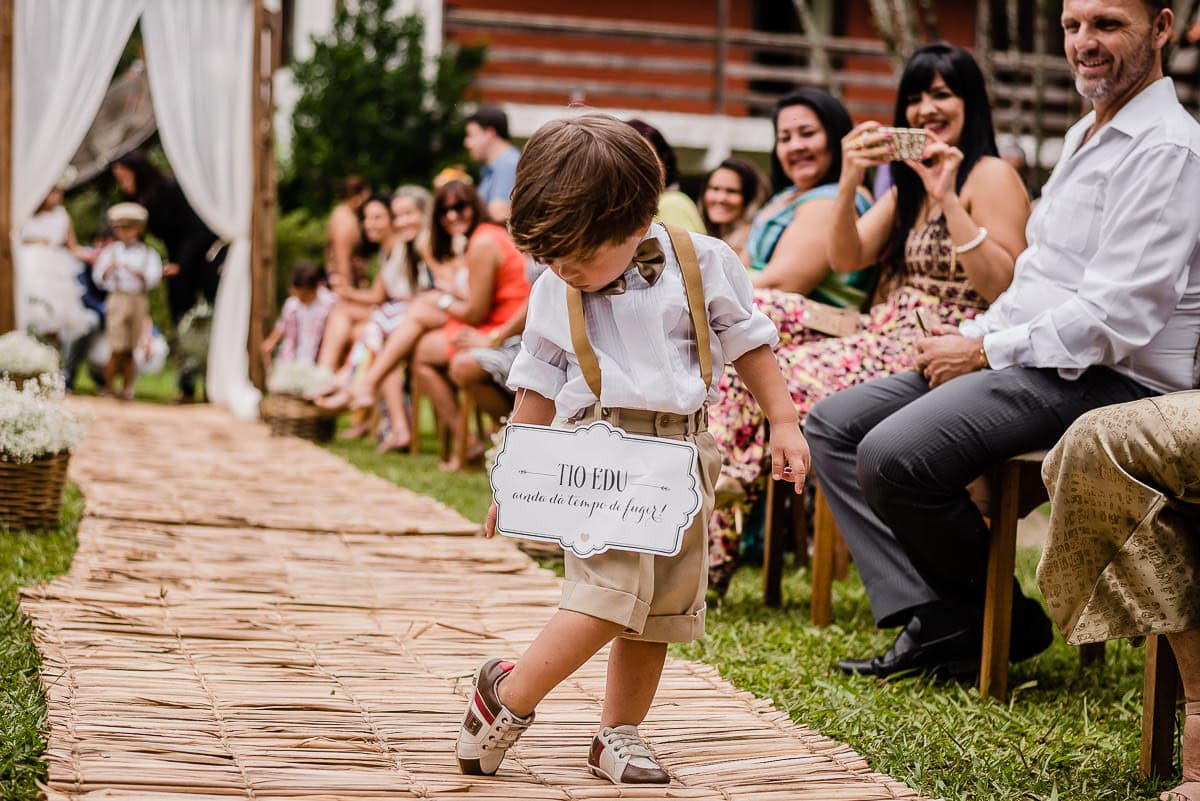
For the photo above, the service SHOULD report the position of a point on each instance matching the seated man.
(1123, 554)
(1104, 308)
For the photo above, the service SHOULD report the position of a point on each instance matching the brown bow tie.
(649, 261)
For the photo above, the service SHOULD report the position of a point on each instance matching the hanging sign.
(595, 487)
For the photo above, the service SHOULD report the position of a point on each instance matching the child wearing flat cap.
(127, 269)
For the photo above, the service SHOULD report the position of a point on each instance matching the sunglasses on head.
(457, 208)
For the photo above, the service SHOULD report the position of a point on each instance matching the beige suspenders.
(693, 286)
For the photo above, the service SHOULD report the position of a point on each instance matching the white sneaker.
(620, 755)
(488, 729)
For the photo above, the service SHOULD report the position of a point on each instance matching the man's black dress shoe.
(947, 650)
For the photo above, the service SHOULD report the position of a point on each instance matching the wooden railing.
(719, 70)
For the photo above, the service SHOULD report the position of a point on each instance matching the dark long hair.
(834, 119)
(964, 78)
(148, 180)
(666, 153)
(752, 193)
(450, 193)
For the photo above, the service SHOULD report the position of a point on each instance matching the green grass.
(26, 558)
(157, 388)
(466, 492)
(1065, 734)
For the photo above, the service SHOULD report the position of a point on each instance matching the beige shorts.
(656, 598)
(124, 315)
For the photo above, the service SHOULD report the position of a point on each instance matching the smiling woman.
(733, 193)
(938, 255)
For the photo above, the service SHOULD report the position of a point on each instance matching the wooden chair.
(1161, 690)
(1013, 489)
(416, 396)
(468, 411)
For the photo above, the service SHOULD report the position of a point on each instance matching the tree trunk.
(929, 18)
(885, 22)
(820, 55)
(906, 27)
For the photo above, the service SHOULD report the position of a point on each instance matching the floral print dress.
(816, 366)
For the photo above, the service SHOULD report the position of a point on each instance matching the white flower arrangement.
(35, 422)
(21, 354)
(296, 378)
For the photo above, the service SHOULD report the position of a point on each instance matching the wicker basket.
(31, 494)
(19, 379)
(290, 416)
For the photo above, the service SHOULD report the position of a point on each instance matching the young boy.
(587, 189)
(126, 269)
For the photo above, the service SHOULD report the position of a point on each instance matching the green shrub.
(371, 106)
(299, 234)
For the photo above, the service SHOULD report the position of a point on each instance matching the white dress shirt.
(643, 338)
(1111, 275)
(138, 268)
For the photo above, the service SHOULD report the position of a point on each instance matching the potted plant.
(288, 412)
(37, 433)
(23, 358)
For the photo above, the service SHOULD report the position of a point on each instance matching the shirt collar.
(1145, 110)
(652, 232)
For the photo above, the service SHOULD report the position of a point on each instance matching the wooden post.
(8, 316)
(1012, 20)
(1040, 36)
(720, 56)
(983, 37)
(262, 220)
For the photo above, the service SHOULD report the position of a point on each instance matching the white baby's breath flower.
(35, 422)
(21, 354)
(296, 378)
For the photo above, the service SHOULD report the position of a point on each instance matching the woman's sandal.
(1188, 790)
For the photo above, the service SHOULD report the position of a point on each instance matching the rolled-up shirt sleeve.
(154, 268)
(1130, 286)
(738, 323)
(103, 262)
(541, 365)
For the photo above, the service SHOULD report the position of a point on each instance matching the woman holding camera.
(947, 237)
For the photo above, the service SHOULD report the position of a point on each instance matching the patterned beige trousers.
(1123, 555)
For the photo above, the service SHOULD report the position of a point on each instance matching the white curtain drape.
(64, 54)
(198, 59)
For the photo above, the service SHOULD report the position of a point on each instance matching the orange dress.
(511, 290)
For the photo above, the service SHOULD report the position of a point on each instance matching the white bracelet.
(974, 243)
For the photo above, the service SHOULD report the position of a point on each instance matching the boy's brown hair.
(582, 183)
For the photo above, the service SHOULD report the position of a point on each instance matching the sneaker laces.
(512, 730)
(625, 742)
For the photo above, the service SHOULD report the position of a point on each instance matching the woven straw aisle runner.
(253, 618)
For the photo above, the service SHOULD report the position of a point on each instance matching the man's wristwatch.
(445, 300)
